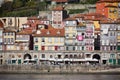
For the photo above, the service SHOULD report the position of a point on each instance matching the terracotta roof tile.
(58, 8)
(50, 32)
(32, 18)
(9, 30)
(108, 1)
(24, 32)
(109, 22)
(79, 16)
(70, 19)
(110, 5)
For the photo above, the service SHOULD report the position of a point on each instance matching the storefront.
(112, 59)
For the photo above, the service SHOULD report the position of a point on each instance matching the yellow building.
(49, 39)
(112, 11)
(108, 8)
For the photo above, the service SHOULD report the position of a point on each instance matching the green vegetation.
(32, 7)
(22, 8)
(88, 1)
(74, 11)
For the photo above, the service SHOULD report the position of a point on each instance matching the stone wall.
(51, 68)
(90, 7)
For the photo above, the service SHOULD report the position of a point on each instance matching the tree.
(17, 4)
(30, 3)
(7, 6)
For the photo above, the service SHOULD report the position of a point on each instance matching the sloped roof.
(58, 8)
(50, 32)
(70, 19)
(110, 5)
(27, 31)
(100, 1)
(79, 16)
(9, 29)
(109, 22)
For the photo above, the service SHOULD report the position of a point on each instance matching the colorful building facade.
(108, 8)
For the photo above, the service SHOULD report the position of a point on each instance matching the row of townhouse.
(77, 41)
(82, 38)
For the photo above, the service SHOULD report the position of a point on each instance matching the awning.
(91, 59)
(44, 59)
(51, 59)
(13, 59)
(78, 60)
(27, 59)
(66, 59)
(56, 60)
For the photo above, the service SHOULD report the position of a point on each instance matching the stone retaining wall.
(50, 68)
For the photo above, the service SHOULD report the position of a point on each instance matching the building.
(109, 40)
(108, 8)
(1, 35)
(70, 34)
(15, 22)
(81, 28)
(9, 39)
(49, 39)
(89, 37)
(58, 15)
(24, 40)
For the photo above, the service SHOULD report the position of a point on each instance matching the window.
(67, 48)
(11, 34)
(61, 40)
(78, 48)
(43, 55)
(36, 47)
(56, 48)
(12, 40)
(82, 34)
(49, 40)
(82, 48)
(43, 48)
(36, 39)
(51, 56)
(43, 40)
(112, 55)
(88, 55)
(67, 35)
(5, 40)
(10, 21)
(56, 40)
(8, 40)
(114, 47)
(110, 47)
(73, 35)
(73, 48)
